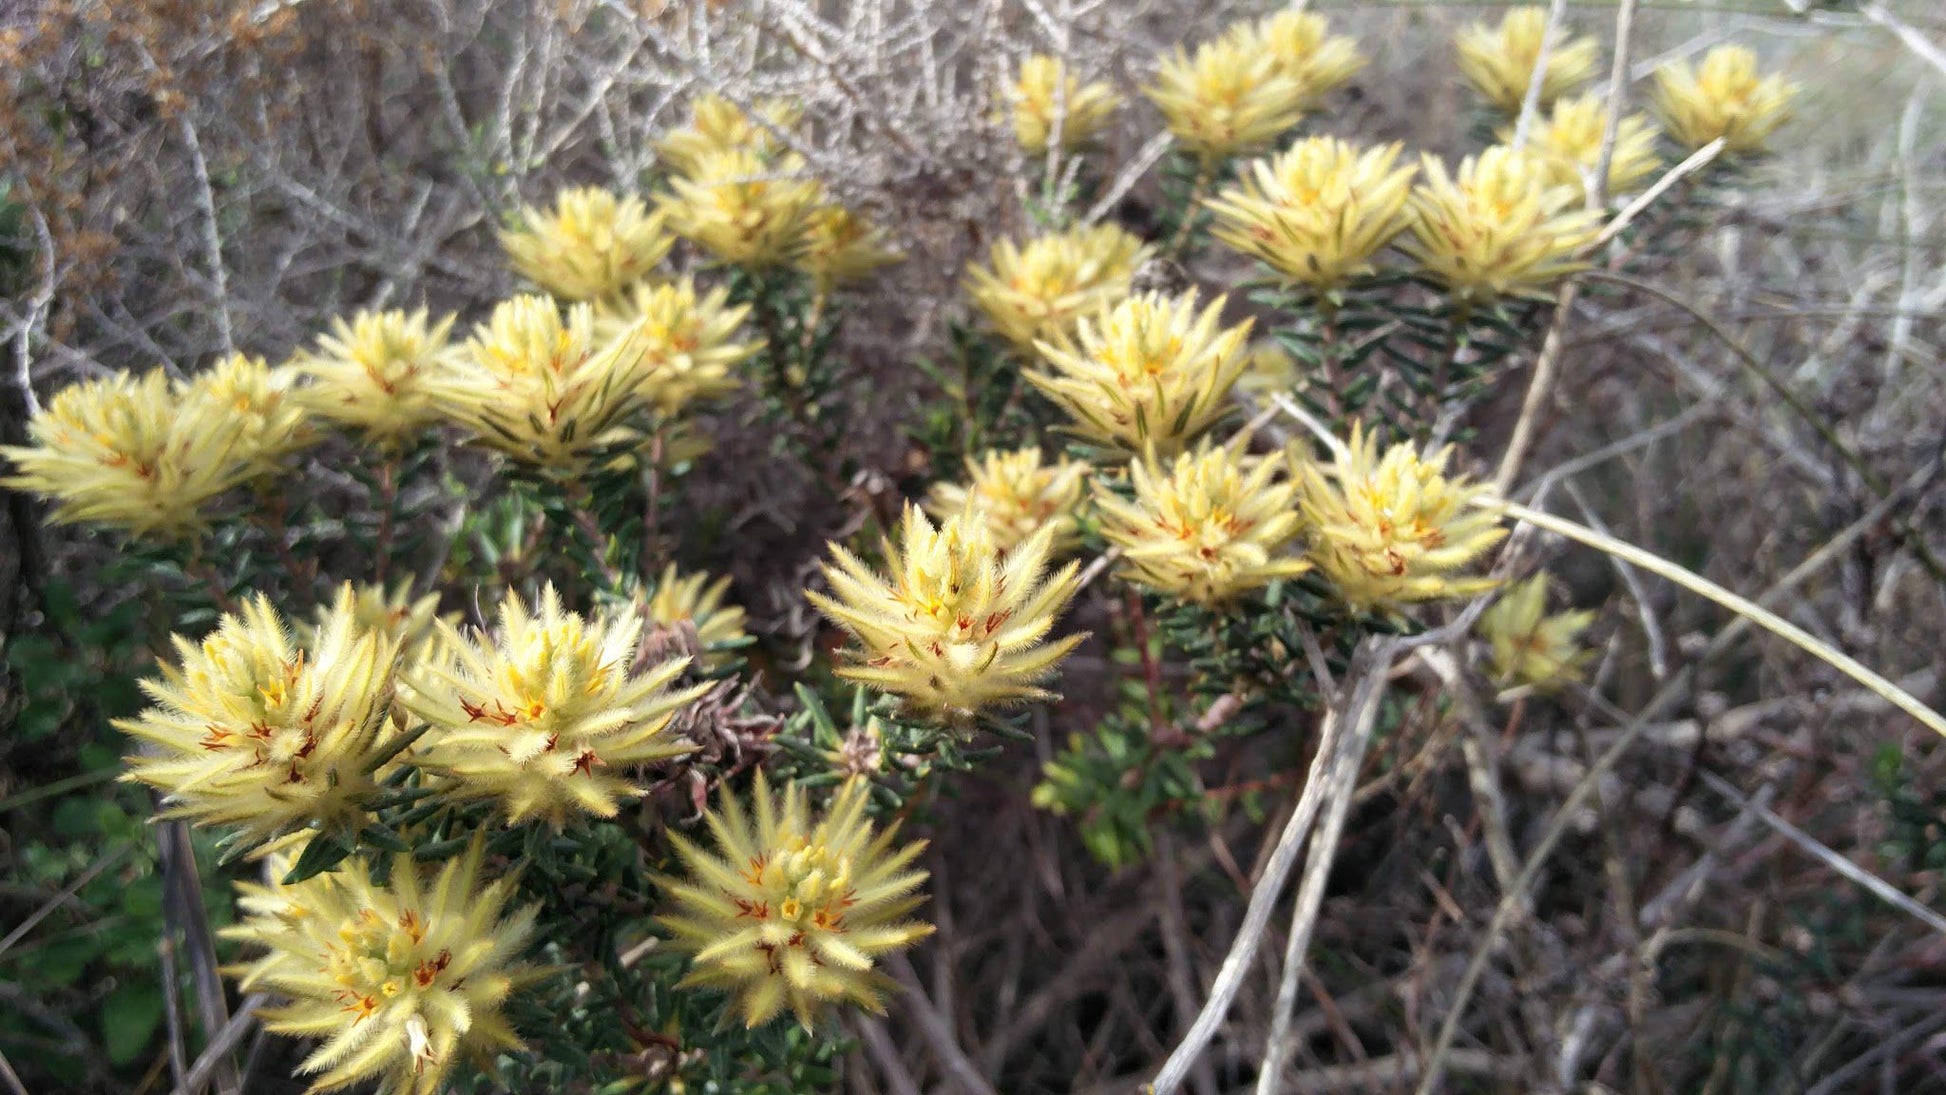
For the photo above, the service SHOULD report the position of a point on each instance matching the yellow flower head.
(1499, 61)
(841, 247)
(1723, 97)
(1017, 495)
(394, 614)
(1500, 229)
(1568, 144)
(263, 399)
(375, 374)
(718, 125)
(1529, 646)
(1038, 291)
(1208, 528)
(132, 454)
(689, 341)
(1233, 95)
(790, 913)
(1307, 52)
(592, 245)
(696, 603)
(745, 210)
(1268, 370)
(395, 982)
(960, 626)
(542, 388)
(1046, 92)
(546, 715)
(253, 730)
(1391, 531)
(1150, 371)
(1317, 212)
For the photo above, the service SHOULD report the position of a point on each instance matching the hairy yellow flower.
(546, 715)
(1395, 530)
(374, 374)
(1208, 528)
(1723, 97)
(1568, 144)
(1038, 291)
(397, 981)
(253, 730)
(961, 626)
(745, 210)
(790, 913)
(542, 388)
(263, 399)
(394, 614)
(1500, 229)
(1317, 212)
(1499, 61)
(592, 245)
(1306, 51)
(689, 341)
(696, 604)
(1046, 95)
(1150, 371)
(1530, 647)
(1268, 370)
(1017, 495)
(840, 247)
(1232, 95)
(718, 125)
(129, 453)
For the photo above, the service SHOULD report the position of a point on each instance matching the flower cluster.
(546, 715)
(1527, 645)
(1501, 228)
(695, 605)
(1722, 97)
(688, 341)
(1232, 95)
(591, 245)
(788, 913)
(251, 729)
(1209, 527)
(1305, 50)
(1151, 371)
(961, 626)
(1318, 212)
(399, 980)
(1499, 61)
(1048, 99)
(1017, 495)
(1038, 291)
(261, 401)
(374, 374)
(718, 125)
(1391, 530)
(1568, 144)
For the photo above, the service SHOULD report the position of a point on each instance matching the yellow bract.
(1208, 528)
(540, 387)
(1045, 95)
(1017, 495)
(1500, 229)
(1150, 372)
(688, 341)
(263, 400)
(1306, 51)
(695, 603)
(1317, 212)
(1723, 97)
(253, 730)
(960, 626)
(374, 373)
(591, 245)
(1568, 144)
(1039, 290)
(839, 247)
(132, 453)
(1530, 647)
(396, 982)
(546, 715)
(718, 125)
(1390, 531)
(790, 913)
(743, 209)
(1232, 95)
(1499, 61)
